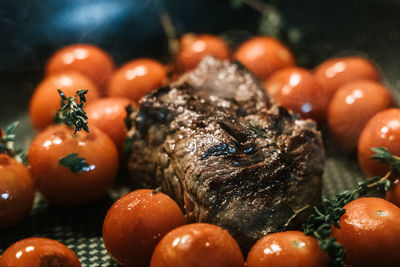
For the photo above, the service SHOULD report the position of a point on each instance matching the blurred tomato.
(352, 106)
(87, 59)
(193, 48)
(263, 55)
(137, 78)
(296, 89)
(45, 100)
(335, 72)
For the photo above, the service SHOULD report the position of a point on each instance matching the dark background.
(31, 30)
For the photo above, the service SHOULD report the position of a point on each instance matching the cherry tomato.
(38, 252)
(296, 89)
(264, 55)
(16, 191)
(352, 106)
(200, 245)
(287, 249)
(335, 72)
(382, 130)
(370, 233)
(137, 78)
(135, 224)
(193, 48)
(46, 101)
(393, 194)
(108, 114)
(87, 59)
(58, 183)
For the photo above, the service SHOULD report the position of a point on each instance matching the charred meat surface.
(226, 153)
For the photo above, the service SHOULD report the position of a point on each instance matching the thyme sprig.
(319, 223)
(7, 142)
(75, 164)
(71, 112)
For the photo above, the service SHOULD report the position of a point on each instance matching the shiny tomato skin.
(264, 55)
(38, 252)
(108, 114)
(45, 100)
(335, 72)
(352, 106)
(197, 245)
(287, 249)
(370, 233)
(135, 224)
(16, 191)
(194, 47)
(295, 88)
(137, 78)
(58, 183)
(89, 60)
(382, 130)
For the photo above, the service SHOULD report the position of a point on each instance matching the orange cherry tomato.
(382, 130)
(296, 89)
(16, 191)
(287, 249)
(352, 106)
(58, 183)
(137, 78)
(200, 245)
(335, 72)
(38, 252)
(264, 55)
(370, 233)
(108, 114)
(193, 48)
(393, 194)
(46, 101)
(89, 60)
(135, 224)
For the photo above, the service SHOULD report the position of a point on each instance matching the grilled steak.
(226, 153)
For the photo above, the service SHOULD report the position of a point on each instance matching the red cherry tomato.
(58, 183)
(16, 191)
(287, 249)
(38, 252)
(370, 233)
(136, 222)
(108, 114)
(264, 55)
(335, 72)
(87, 59)
(393, 194)
(46, 101)
(352, 106)
(382, 130)
(193, 48)
(200, 245)
(296, 89)
(137, 78)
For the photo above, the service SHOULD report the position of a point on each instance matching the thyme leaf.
(319, 223)
(7, 143)
(75, 164)
(71, 112)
